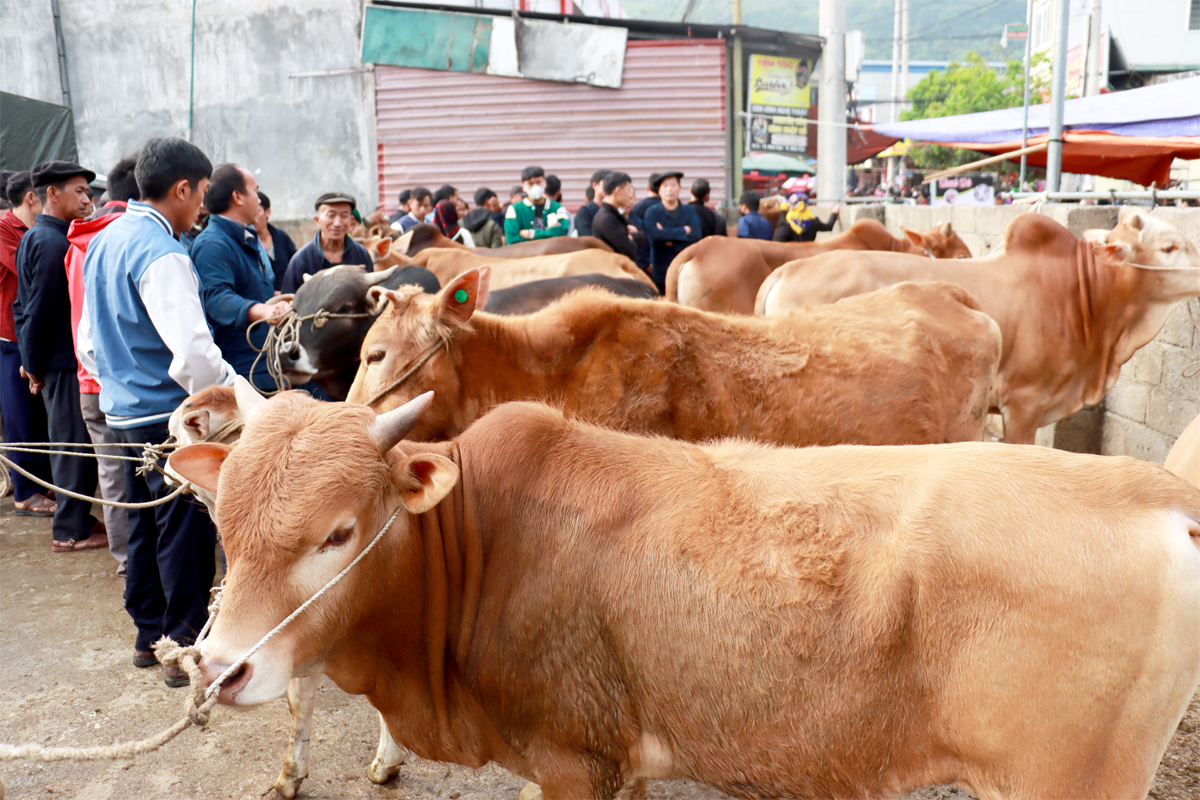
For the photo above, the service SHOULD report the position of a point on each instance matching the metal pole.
(831, 155)
(896, 27)
(739, 102)
(192, 80)
(1094, 56)
(1058, 91)
(64, 83)
(1028, 52)
(903, 57)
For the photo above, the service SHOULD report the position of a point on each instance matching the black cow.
(525, 298)
(328, 355)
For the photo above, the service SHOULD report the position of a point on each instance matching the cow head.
(329, 354)
(939, 241)
(308, 487)
(1141, 239)
(198, 417)
(384, 253)
(414, 325)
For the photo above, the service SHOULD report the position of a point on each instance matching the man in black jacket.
(638, 217)
(42, 315)
(711, 223)
(610, 225)
(279, 246)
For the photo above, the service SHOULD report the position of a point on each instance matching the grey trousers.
(112, 479)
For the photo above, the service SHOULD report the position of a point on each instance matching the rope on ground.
(199, 704)
(283, 336)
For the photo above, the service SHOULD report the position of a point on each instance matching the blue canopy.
(1164, 110)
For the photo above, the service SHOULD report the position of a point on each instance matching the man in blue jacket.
(670, 227)
(237, 281)
(143, 335)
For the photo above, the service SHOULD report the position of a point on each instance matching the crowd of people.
(650, 231)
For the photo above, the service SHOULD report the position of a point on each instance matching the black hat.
(657, 178)
(49, 172)
(336, 197)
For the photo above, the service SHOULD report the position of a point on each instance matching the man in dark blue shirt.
(331, 246)
(237, 282)
(588, 211)
(752, 225)
(670, 226)
(42, 317)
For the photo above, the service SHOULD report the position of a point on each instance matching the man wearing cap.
(237, 281)
(670, 227)
(331, 246)
(24, 414)
(42, 316)
(637, 218)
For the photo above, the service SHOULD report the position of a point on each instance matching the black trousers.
(171, 563)
(24, 421)
(74, 519)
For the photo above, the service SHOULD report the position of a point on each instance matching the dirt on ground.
(66, 680)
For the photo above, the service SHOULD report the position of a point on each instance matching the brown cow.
(1071, 312)
(423, 236)
(447, 264)
(723, 275)
(910, 365)
(591, 609)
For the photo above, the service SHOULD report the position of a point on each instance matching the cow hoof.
(288, 786)
(531, 792)
(379, 772)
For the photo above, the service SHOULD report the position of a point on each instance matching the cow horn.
(392, 426)
(248, 398)
(307, 277)
(376, 278)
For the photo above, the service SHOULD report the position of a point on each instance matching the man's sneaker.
(175, 677)
(143, 659)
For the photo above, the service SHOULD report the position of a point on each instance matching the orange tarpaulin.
(1143, 160)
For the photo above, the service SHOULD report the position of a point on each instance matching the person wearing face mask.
(536, 216)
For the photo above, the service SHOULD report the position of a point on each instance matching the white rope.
(185, 487)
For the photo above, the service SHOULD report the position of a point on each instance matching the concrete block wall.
(1154, 399)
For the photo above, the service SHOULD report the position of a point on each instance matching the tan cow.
(447, 264)
(423, 236)
(1184, 458)
(905, 366)
(591, 609)
(723, 274)
(1071, 312)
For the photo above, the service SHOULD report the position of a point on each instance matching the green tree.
(966, 87)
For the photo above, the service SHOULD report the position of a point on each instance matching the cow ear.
(381, 248)
(1115, 253)
(916, 237)
(200, 463)
(197, 421)
(424, 480)
(460, 298)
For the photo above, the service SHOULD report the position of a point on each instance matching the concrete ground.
(66, 680)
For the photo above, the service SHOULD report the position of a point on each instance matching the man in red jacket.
(122, 187)
(24, 414)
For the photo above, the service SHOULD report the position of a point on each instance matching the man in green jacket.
(535, 217)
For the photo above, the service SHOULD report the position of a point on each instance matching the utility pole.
(903, 57)
(1094, 57)
(739, 102)
(1028, 57)
(831, 128)
(1058, 91)
(896, 30)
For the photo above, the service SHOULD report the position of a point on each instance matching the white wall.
(128, 63)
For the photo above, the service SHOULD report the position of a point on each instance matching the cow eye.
(375, 356)
(1170, 248)
(347, 308)
(339, 537)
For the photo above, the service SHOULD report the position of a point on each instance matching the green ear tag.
(461, 296)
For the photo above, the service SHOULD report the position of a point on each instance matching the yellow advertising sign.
(779, 97)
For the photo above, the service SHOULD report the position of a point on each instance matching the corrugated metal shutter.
(482, 130)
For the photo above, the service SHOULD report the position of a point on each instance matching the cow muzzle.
(232, 686)
(262, 678)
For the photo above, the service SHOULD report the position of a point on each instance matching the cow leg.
(1021, 422)
(302, 697)
(388, 758)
